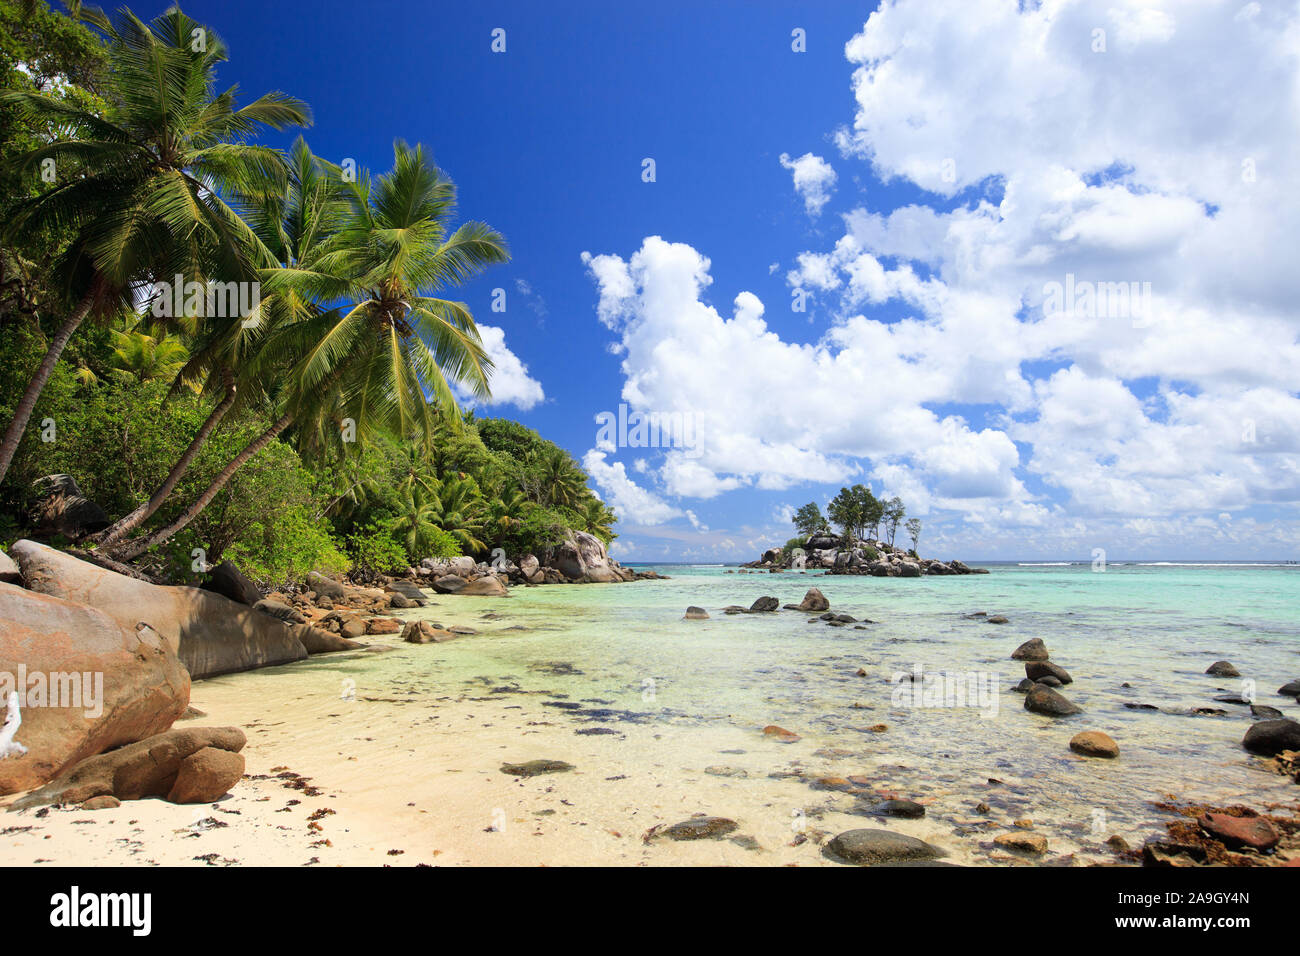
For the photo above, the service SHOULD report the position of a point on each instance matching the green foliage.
(809, 519)
(156, 176)
(913, 527)
(791, 545)
(852, 510)
(373, 550)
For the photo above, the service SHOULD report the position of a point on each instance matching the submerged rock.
(780, 734)
(1291, 689)
(903, 809)
(534, 768)
(765, 604)
(1236, 832)
(1094, 743)
(697, 828)
(1032, 843)
(1270, 737)
(1222, 669)
(869, 847)
(1041, 699)
(694, 613)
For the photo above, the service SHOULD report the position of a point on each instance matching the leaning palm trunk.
(14, 433)
(140, 515)
(133, 549)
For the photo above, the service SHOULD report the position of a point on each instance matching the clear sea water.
(621, 656)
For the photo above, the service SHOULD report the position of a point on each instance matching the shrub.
(374, 550)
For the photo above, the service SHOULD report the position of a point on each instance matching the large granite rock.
(9, 572)
(211, 634)
(147, 768)
(228, 581)
(814, 600)
(59, 507)
(206, 775)
(487, 586)
(582, 557)
(85, 684)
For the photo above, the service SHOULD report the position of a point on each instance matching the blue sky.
(924, 363)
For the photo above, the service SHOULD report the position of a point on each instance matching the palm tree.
(417, 522)
(290, 226)
(145, 358)
(598, 518)
(459, 510)
(384, 361)
(146, 189)
(562, 482)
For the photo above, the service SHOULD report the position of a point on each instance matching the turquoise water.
(622, 657)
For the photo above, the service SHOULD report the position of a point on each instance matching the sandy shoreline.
(393, 757)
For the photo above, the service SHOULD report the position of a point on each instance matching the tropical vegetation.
(315, 426)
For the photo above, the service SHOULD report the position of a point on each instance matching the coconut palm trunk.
(133, 549)
(124, 526)
(14, 433)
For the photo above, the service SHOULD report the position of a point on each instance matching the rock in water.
(1032, 650)
(487, 586)
(1236, 832)
(694, 613)
(903, 809)
(147, 768)
(1032, 843)
(698, 828)
(869, 847)
(1094, 743)
(1291, 689)
(228, 581)
(582, 557)
(206, 775)
(535, 768)
(1041, 699)
(765, 604)
(814, 600)
(1270, 737)
(317, 640)
(426, 632)
(211, 634)
(1037, 670)
(1222, 669)
(131, 680)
